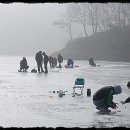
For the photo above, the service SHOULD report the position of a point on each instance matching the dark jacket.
(70, 62)
(39, 58)
(45, 58)
(23, 63)
(127, 100)
(54, 61)
(60, 58)
(106, 94)
(50, 59)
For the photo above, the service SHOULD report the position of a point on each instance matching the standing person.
(60, 60)
(128, 99)
(23, 65)
(103, 98)
(45, 62)
(50, 59)
(39, 60)
(54, 62)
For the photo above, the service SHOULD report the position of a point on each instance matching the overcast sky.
(28, 28)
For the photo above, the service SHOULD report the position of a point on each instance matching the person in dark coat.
(39, 60)
(45, 62)
(60, 60)
(50, 59)
(54, 62)
(103, 98)
(127, 99)
(23, 65)
(91, 62)
(70, 63)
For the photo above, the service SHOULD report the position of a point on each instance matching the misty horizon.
(27, 28)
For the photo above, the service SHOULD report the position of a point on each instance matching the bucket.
(60, 93)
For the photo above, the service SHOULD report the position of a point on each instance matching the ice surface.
(27, 99)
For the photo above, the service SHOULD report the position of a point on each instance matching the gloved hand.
(123, 102)
(114, 105)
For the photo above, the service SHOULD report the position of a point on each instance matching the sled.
(66, 66)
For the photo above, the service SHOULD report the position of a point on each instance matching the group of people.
(41, 57)
(103, 98)
(40, 60)
(52, 61)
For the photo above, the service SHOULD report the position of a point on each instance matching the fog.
(28, 28)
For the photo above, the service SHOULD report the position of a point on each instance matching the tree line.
(99, 16)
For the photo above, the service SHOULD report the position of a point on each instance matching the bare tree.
(126, 12)
(99, 16)
(66, 22)
(92, 12)
(79, 15)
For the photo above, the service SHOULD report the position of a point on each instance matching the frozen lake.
(26, 100)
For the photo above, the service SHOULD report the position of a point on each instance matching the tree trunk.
(70, 31)
(119, 19)
(84, 27)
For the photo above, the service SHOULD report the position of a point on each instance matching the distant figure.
(45, 62)
(60, 60)
(54, 62)
(50, 59)
(128, 99)
(103, 98)
(23, 65)
(70, 63)
(39, 60)
(91, 62)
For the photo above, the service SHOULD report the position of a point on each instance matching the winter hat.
(128, 84)
(117, 89)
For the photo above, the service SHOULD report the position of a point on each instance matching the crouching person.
(70, 63)
(103, 98)
(23, 65)
(127, 100)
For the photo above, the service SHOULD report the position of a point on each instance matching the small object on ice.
(50, 96)
(76, 66)
(123, 102)
(73, 95)
(33, 71)
(61, 93)
(88, 92)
